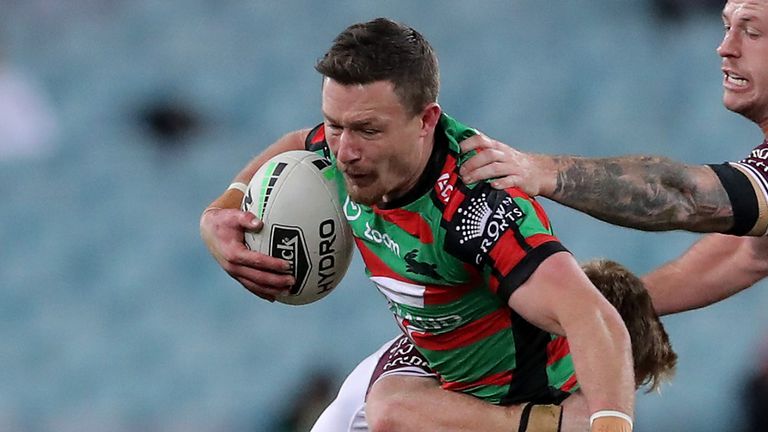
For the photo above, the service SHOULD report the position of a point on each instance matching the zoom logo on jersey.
(376, 236)
(481, 226)
(287, 242)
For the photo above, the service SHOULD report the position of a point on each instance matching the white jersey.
(347, 412)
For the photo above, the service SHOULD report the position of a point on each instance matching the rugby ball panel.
(296, 196)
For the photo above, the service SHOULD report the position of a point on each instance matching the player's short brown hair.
(653, 356)
(384, 50)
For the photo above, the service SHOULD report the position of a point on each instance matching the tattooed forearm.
(649, 193)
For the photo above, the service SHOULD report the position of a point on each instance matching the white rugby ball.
(295, 194)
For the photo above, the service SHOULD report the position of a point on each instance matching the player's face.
(379, 146)
(744, 50)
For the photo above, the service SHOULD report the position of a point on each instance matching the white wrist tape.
(610, 413)
(242, 187)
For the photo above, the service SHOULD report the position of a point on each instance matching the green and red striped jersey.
(447, 256)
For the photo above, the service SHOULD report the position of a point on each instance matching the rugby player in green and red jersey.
(395, 390)
(474, 276)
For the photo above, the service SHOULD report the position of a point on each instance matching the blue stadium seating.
(114, 317)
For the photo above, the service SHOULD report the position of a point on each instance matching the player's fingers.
(505, 182)
(482, 173)
(250, 222)
(257, 260)
(268, 279)
(480, 159)
(265, 277)
(482, 166)
(267, 294)
(491, 168)
(478, 142)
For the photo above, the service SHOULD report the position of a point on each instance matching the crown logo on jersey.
(473, 219)
(483, 225)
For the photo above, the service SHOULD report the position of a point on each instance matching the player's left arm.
(223, 223)
(714, 268)
(231, 198)
(559, 298)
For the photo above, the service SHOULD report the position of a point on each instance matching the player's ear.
(430, 115)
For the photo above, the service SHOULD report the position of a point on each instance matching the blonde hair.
(653, 356)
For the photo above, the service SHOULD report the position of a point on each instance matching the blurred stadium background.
(114, 317)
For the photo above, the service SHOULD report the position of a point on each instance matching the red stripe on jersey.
(493, 284)
(374, 264)
(450, 166)
(537, 240)
(507, 253)
(411, 222)
(443, 294)
(457, 197)
(497, 379)
(466, 334)
(517, 193)
(540, 213)
(319, 135)
(557, 349)
(568, 386)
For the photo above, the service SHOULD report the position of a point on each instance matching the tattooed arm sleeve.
(649, 193)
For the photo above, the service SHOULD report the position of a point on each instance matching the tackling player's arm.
(401, 403)
(645, 192)
(655, 193)
(559, 298)
(714, 268)
(222, 225)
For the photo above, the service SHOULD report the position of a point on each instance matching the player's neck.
(424, 156)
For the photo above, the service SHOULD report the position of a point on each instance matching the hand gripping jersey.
(447, 256)
(746, 182)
